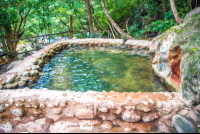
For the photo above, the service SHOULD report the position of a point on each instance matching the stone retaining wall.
(63, 110)
(138, 44)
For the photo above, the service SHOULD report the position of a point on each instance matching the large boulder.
(12, 64)
(176, 59)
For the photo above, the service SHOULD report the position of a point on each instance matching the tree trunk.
(164, 4)
(115, 24)
(111, 29)
(89, 15)
(175, 12)
(9, 36)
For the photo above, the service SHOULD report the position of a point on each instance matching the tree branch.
(115, 24)
(95, 18)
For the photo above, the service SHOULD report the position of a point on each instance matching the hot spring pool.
(99, 69)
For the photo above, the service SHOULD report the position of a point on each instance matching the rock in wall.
(177, 59)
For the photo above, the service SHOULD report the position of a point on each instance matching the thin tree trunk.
(111, 29)
(164, 4)
(127, 25)
(89, 15)
(114, 30)
(115, 24)
(175, 12)
(100, 24)
(95, 18)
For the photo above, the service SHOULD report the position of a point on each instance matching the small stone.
(6, 127)
(84, 123)
(32, 72)
(198, 108)
(194, 115)
(118, 110)
(50, 105)
(10, 101)
(42, 105)
(29, 100)
(36, 72)
(17, 112)
(10, 79)
(26, 74)
(107, 125)
(103, 109)
(7, 105)
(183, 125)
(143, 107)
(124, 125)
(17, 119)
(85, 113)
(56, 104)
(35, 67)
(111, 104)
(22, 100)
(40, 63)
(129, 108)
(131, 116)
(183, 112)
(57, 111)
(32, 118)
(31, 81)
(35, 62)
(11, 86)
(150, 116)
(51, 51)
(39, 126)
(64, 125)
(62, 104)
(21, 83)
(36, 112)
(25, 79)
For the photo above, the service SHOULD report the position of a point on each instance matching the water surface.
(100, 69)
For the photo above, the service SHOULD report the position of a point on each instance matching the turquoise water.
(99, 69)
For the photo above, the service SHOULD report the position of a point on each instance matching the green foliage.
(53, 16)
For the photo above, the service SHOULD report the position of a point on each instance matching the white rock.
(17, 111)
(10, 79)
(26, 74)
(42, 105)
(7, 105)
(131, 116)
(7, 127)
(50, 105)
(10, 101)
(62, 104)
(17, 119)
(62, 126)
(57, 111)
(103, 109)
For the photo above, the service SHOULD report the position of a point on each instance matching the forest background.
(141, 19)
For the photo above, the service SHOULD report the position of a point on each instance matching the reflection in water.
(100, 69)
